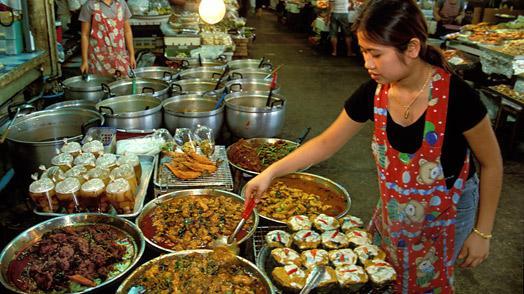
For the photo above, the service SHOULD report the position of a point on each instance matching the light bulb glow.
(212, 11)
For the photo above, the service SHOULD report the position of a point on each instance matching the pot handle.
(13, 108)
(215, 74)
(85, 76)
(184, 64)
(222, 57)
(179, 90)
(101, 109)
(235, 84)
(210, 93)
(90, 123)
(118, 74)
(106, 90)
(148, 89)
(267, 65)
(277, 102)
(168, 75)
(236, 74)
(301, 139)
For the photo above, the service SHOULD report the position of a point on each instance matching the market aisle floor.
(316, 87)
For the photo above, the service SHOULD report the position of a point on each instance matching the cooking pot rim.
(72, 80)
(190, 97)
(131, 98)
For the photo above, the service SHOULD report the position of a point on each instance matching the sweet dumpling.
(278, 238)
(342, 257)
(290, 277)
(285, 256)
(369, 252)
(358, 238)
(351, 277)
(349, 223)
(306, 239)
(325, 223)
(334, 240)
(298, 223)
(311, 258)
(380, 273)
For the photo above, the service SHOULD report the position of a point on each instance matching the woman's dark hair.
(394, 23)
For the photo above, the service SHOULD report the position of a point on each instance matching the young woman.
(105, 35)
(426, 122)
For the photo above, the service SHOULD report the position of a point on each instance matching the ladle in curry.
(231, 242)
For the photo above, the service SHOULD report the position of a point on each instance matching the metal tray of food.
(221, 179)
(322, 182)
(35, 233)
(147, 162)
(185, 193)
(128, 282)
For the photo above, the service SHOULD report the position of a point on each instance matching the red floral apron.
(107, 49)
(414, 221)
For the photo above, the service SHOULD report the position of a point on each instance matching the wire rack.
(222, 178)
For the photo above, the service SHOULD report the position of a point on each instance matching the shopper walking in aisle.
(429, 189)
(105, 35)
(339, 20)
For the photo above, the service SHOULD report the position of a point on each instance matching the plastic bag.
(205, 139)
(208, 51)
(148, 145)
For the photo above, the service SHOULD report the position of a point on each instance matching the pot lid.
(87, 83)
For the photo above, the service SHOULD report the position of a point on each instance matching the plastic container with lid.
(67, 194)
(42, 192)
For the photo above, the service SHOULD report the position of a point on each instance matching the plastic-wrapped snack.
(205, 139)
(342, 257)
(133, 161)
(119, 194)
(42, 192)
(90, 194)
(358, 238)
(77, 171)
(86, 159)
(72, 148)
(99, 173)
(325, 223)
(351, 277)
(334, 240)
(125, 171)
(306, 239)
(313, 257)
(55, 173)
(349, 223)
(290, 277)
(283, 256)
(278, 238)
(369, 252)
(106, 160)
(67, 193)
(299, 222)
(96, 147)
(184, 138)
(63, 160)
(380, 273)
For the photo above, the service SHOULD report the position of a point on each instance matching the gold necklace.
(408, 107)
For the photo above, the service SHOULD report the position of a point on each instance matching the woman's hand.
(474, 251)
(257, 186)
(132, 62)
(84, 67)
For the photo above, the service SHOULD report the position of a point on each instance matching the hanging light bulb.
(212, 11)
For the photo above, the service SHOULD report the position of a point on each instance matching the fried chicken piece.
(182, 174)
(200, 158)
(199, 167)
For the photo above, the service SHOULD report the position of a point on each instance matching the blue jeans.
(466, 213)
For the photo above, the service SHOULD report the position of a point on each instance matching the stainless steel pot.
(247, 115)
(35, 138)
(194, 62)
(249, 73)
(197, 86)
(250, 63)
(33, 234)
(83, 104)
(85, 87)
(206, 72)
(250, 85)
(156, 88)
(132, 112)
(157, 72)
(188, 111)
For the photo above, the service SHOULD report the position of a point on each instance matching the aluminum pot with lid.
(250, 85)
(85, 87)
(249, 73)
(250, 63)
(132, 112)
(83, 104)
(157, 72)
(35, 138)
(156, 88)
(207, 72)
(247, 115)
(188, 111)
(198, 86)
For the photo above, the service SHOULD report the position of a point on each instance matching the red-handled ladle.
(231, 242)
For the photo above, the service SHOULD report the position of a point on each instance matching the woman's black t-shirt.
(465, 110)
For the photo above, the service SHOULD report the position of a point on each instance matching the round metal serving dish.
(127, 284)
(156, 88)
(258, 141)
(204, 72)
(192, 192)
(34, 234)
(250, 63)
(324, 182)
(83, 104)
(157, 72)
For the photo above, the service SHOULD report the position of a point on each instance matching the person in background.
(339, 19)
(106, 34)
(448, 12)
(433, 209)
